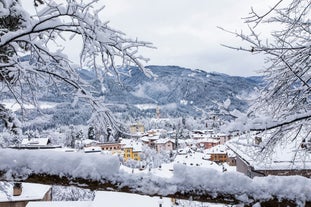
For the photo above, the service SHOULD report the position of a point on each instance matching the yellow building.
(137, 128)
(131, 153)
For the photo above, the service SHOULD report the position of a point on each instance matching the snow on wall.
(83, 165)
(185, 178)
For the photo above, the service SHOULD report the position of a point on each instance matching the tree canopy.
(36, 38)
(285, 99)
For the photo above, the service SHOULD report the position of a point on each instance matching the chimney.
(17, 189)
(258, 140)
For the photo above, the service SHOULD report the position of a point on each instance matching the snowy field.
(183, 178)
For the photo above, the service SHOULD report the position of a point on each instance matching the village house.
(131, 153)
(19, 194)
(206, 139)
(112, 147)
(137, 128)
(95, 146)
(157, 132)
(131, 149)
(164, 145)
(198, 134)
(207, 143)
(217, 153)
(223, 138)
(231, 158)
(150, 141)
(252, 162)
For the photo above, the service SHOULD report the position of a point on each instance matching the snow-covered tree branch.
(286, 96)
(32, 57)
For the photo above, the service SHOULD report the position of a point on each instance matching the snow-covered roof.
(218, 149)
(221, 135)
(210, 140)
(130, 143)
(156, 132)
(92, 149)
(149, 138)
(89, 141)
(30, 191)
(284, 156)
(164, 141)
(35, 141)
(60, 204)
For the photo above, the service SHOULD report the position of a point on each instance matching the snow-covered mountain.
(178, 91)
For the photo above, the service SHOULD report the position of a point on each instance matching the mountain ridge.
(187, 88)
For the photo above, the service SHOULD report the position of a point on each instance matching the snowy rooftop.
(150, 138)
(89, 141)
(130, 143)
(30, 192)
(35, 141)
(210, 140)
(163, 141)
(284, 155)
(218, 149)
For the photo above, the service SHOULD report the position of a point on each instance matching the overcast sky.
(185, 31)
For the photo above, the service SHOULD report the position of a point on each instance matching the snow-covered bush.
(71, 193)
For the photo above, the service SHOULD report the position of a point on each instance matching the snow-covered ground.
(184, 178)
(117, 199)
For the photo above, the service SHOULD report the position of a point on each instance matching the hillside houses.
(206, 139)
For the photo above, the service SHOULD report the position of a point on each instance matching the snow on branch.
(31, 48)
(284, 101)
